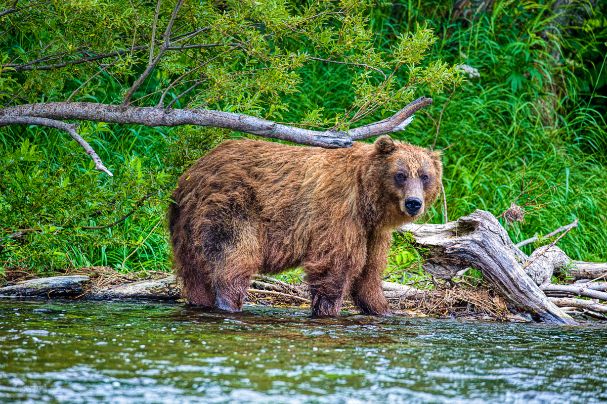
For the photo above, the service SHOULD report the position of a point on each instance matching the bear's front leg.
(326, 303)
(329, 279)
(367, 292)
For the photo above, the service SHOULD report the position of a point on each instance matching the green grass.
(530, 131)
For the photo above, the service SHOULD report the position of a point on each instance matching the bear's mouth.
(409, 215)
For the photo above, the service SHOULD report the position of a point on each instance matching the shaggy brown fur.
(257, 207)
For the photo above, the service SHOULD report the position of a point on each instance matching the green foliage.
(531, 130)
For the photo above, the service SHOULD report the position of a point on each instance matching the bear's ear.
(384, 145)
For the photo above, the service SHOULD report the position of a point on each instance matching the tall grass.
(531, 131)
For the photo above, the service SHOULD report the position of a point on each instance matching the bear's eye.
(425, 178)
(400, 178)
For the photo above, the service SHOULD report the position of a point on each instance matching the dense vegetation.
(531, 130)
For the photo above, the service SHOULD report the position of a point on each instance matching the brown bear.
(252, 207)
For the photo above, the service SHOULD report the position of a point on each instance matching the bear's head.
(410, 177)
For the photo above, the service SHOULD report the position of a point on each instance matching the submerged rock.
(55, 286)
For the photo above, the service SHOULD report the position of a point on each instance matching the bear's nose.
(413, 205)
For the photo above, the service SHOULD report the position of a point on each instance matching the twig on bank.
(275, 293)
(561, 229)
(547, 248)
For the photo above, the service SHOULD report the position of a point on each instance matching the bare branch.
(154, 116)
(188, 35)
(589, 270)
(199, 46)
(69, 128)
(33, 65)
(81, 86)
(153, 62)
(561, 229)
(178, 79)
(579, 303)
(14, 9)
(602, 286)
(183, 93)
(339, 62)
(153, 41)
(8, 11)
(573, 290)
(395, 123)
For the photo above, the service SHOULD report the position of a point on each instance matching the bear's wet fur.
(252, 207)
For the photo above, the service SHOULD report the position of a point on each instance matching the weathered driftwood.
(579, 304)
(589, 270)
(574, 290)
(592, 285)
(403, 292)
(155, 289)
(543, 262)
(55, 286)
(479, 240)
(167, 289)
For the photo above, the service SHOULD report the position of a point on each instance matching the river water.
(141, 352)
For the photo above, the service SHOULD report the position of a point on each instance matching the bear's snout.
(413, 205)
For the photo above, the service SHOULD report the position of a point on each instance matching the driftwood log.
(589, 270)
(478, 240)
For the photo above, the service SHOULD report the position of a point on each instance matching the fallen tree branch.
(154, 116)
(602, 286)
(395, 123)
(561, 229)
(69, 128)
(573, 290)
(543, 262)
(589, 270)
(579, 303)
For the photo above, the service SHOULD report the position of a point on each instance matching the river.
(148, 352)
